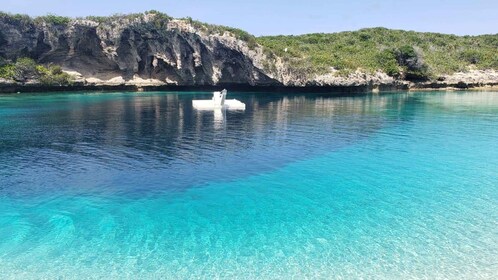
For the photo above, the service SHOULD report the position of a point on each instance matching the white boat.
(219, 101)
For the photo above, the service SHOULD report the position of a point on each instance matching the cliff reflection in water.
(116, 139)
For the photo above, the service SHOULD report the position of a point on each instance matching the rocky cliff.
(140, 49)
(152, 49)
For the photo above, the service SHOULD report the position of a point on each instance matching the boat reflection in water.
(219, 118)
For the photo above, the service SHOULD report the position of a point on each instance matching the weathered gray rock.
(135, 49)
(471, 78)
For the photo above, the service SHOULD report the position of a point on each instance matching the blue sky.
(272, 17)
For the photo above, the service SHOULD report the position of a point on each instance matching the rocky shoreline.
(34, 88)
(356, 82)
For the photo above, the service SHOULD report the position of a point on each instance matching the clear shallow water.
(126, 185)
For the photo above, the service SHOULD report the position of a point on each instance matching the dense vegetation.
(160, 20)
(15, 18)
(25, 69)
(408, 54)
(25, 19)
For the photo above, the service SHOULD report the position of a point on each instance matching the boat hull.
(230, 104)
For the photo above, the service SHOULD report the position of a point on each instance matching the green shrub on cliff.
(160, 19)
(381, 49)
(54, 19)
(22, 70)
(25, 19)
(159, 14)
(412, 63)
(388, 63)
(15, 18)
(25, 69)
(7, 71)
(220, 29)
(471, 56)
(53, 75)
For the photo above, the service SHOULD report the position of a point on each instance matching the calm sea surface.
(142, 186)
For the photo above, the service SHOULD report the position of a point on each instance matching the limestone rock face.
(136, 49)
(471, 78)
(482, 77)
(354, 79)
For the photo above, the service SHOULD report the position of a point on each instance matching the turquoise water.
(141, 186)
